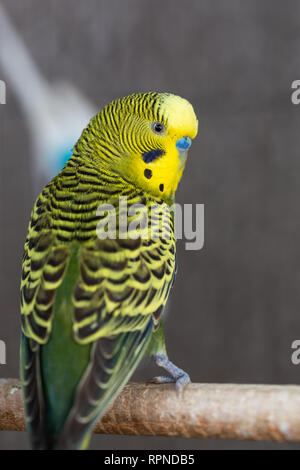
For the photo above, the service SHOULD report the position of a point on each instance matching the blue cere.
(184, 143)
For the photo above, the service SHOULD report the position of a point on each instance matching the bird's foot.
(178, 376)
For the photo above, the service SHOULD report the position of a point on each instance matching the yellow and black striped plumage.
(90, 306)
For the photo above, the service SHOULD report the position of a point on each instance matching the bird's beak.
(183, 146)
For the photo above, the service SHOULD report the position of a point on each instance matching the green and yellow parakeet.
(92, 305)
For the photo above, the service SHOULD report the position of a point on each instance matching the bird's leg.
(178, 376)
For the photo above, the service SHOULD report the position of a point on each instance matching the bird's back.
(89, 306)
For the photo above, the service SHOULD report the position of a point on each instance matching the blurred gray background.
(234, 311)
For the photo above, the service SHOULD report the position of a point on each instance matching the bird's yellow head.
(144, 139)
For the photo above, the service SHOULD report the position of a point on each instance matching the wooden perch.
(228, 411)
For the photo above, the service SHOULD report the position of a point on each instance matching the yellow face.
(157, 149)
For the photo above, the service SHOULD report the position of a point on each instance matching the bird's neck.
(80, 193)
(100, 177)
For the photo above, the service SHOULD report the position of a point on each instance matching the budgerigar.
(92, 303)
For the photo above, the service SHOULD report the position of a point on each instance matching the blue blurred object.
(55, 114)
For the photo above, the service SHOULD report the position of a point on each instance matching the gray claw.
(178, 376)
(181, 382)
(161, 380)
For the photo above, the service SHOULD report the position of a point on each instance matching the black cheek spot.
(161, 187)
(148, 173)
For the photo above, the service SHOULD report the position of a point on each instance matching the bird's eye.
(158, 128)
